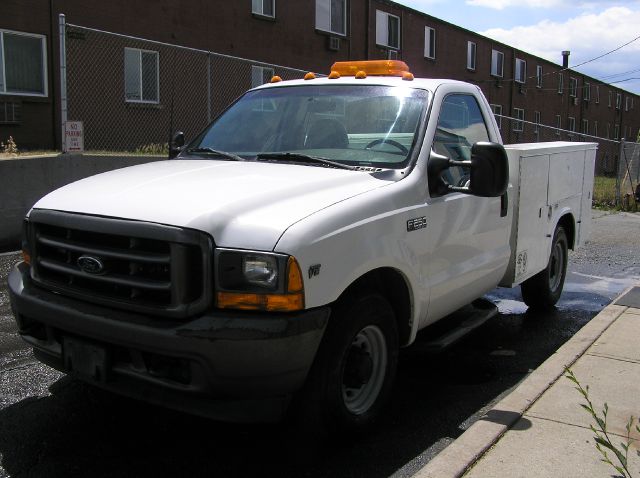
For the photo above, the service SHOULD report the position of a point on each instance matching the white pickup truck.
(286, 254)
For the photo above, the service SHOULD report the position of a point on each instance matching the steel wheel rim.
(556, 266)
(359, 400)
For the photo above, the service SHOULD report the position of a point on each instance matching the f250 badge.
(416, 223)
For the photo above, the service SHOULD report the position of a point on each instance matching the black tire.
(543, 290)
(353, 373)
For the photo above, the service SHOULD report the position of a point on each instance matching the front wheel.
(353, 373)
(543, 290)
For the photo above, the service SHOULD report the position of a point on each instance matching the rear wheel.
(354, 370)
(543, 290)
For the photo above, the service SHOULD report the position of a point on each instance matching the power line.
(607, 53)
(620, 74)
(572, 67)
(626, 79)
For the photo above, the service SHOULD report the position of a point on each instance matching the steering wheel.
(401, 147)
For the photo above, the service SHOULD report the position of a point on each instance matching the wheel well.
(392, 286)
(569, 225)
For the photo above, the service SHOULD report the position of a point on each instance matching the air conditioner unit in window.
(522, 89)
(575, 101)
(392, 55)
(334, 43)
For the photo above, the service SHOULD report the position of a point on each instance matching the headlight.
(258, 281)
(260, 270)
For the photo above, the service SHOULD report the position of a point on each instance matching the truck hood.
(241, 204)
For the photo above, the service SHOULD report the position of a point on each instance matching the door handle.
(504, 204)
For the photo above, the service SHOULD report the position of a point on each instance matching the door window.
(460, 125)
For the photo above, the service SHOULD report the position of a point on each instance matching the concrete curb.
(469, 447)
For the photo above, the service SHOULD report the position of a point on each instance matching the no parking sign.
(74, 137)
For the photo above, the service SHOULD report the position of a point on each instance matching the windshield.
(349, 124)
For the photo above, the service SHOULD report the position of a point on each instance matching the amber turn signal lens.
(294, 276)
(269, 302)
(26, 257)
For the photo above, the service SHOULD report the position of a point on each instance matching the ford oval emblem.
(90, 264)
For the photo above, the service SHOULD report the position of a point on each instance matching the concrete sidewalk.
(540, 429)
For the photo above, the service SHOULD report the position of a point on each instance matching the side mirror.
(488, 175)
(176, 144)
(489, 170)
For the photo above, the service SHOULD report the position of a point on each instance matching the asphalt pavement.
(52, 425)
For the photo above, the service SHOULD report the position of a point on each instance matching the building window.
(572, 124)
(260, 75)
(471, 56)
(560, 83)
(616, 131)
(331, 16)
(23, 64)
(628, 103)
(497, 112)
(586, 92)
(618, 100)
(573, 87)
(518, 124)
(387, 30)
(558, 124)
(536, 120)
(608, 130)
(585, 126)
(539, 76)
(141, 76)
(610, 98)
(266, 8)
(9, 112)
(521, 70)
(429, 43)
(595, 128)
(497, 63)
(597, 94)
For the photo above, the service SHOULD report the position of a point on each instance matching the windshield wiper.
(302, 158)
(216, 152)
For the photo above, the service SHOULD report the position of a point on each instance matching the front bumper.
(232, 366)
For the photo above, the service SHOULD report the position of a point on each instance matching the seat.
(326, 133)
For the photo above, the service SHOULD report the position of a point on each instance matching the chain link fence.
(628, 176)
(133, 94)
(617, 167)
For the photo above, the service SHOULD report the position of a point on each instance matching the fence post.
(208, 87)
(618, 172)
(63, 80)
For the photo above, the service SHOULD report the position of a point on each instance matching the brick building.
(305, 34)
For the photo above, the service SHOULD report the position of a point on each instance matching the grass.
(604, 192)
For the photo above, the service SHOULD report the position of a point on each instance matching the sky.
(547, 27)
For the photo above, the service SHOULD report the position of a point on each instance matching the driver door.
(469, 241)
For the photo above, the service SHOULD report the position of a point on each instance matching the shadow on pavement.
(82, 431)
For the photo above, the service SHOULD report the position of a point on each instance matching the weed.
(604, 444)
(10, 147)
